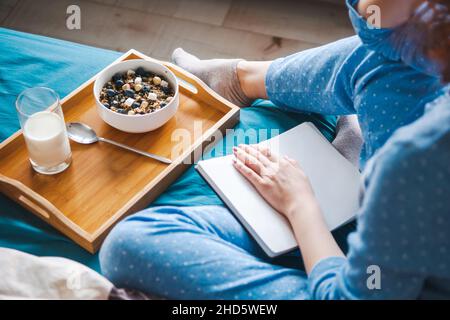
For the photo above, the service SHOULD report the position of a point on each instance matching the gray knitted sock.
(219, 74)
(349, 139)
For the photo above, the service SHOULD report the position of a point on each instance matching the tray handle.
(192, 84)
(44, 209)
(188, 80)
(28, 198)
(195, 86)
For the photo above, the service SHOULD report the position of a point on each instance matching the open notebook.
(336, 183)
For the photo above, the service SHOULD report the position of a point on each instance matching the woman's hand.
(280, 180)
(285, 186)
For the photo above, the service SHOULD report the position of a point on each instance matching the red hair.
(436, 27)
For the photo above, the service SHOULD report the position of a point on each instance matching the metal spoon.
(82, 133)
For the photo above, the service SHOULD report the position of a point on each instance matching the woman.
(203, 252)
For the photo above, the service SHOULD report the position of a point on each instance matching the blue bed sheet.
(29, 60)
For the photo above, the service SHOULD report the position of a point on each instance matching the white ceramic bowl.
(137, 123)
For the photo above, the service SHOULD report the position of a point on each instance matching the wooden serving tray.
(104, 183)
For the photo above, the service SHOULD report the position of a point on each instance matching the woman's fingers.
(248, 160)
(291, 161)
(248, 173)
(255, 152)
(259, 158)
(266, 152)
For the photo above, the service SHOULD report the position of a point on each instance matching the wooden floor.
(251, 29)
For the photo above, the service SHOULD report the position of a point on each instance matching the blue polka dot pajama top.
(401, 246)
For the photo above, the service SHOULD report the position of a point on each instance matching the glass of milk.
(44, 130)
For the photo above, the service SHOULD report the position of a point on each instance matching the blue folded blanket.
(28, 60)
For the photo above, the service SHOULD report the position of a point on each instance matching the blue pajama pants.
(198, 253)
